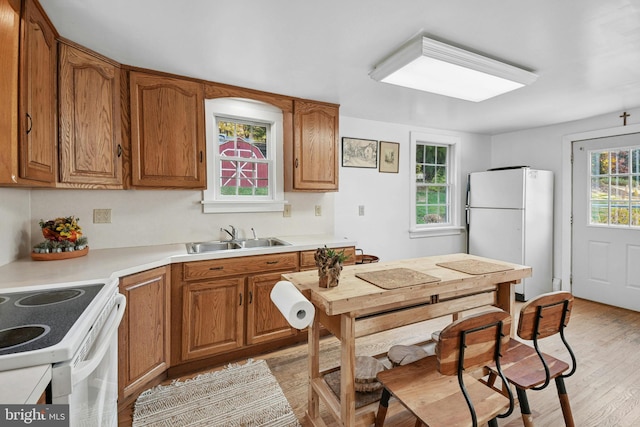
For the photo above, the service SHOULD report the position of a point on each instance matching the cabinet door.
(212, 317)
(89, 93)
(38, 123)
(167, 132)
(9, 48)
(315, 154)
(264, 320)
(144, 332)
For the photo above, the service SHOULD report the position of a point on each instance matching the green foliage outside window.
(615, 187)
(432, 187)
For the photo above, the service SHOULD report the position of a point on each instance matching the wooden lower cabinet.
(144, 333)
(264, 320)
(224, 305)
(308, 262)
(212, 317)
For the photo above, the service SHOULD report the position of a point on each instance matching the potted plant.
(329, 263)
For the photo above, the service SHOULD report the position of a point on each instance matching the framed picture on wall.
(359, 153)
(389, 156)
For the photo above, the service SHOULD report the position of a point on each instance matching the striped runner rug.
(242, 395)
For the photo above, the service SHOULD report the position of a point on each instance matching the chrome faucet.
(254, 234)
(233, 233)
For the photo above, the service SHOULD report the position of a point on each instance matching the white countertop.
(24, 386)
(101, 264)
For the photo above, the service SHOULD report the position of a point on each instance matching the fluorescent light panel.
(433, 66)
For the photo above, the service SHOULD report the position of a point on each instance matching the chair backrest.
(481, 334)
(555, 311)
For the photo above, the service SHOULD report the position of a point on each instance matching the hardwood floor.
(605, 390)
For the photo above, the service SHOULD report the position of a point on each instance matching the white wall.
(150, 217)
(542, 148)
(14, 224)
(384, 229)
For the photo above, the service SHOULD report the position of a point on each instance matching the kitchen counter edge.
(102, 264)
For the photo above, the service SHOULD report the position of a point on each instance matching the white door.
(606, 220)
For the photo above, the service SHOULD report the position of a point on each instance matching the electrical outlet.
(102, 216)
(318, 210)
(287, 210)
(361, 210)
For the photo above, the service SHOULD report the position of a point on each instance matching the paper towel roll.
(292, 304)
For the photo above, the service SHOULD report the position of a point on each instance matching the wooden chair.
(428, 387)
(526, 367)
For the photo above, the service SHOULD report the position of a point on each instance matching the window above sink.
(244, 157)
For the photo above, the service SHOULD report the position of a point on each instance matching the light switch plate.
(287, 210)
(318, 210)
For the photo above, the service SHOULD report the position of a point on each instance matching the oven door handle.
(85, 368)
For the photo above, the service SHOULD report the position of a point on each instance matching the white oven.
(77, 325)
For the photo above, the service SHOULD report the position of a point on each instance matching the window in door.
(615, 187)
(434, 199)
(244, 157)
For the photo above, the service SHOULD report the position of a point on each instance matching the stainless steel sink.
(224, 245)
(200, 247)
(262, 243)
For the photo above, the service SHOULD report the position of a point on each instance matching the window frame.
(244, 110)
(436, 229)
(612, 175)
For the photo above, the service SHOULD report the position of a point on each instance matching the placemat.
(394, 278)
(474, 266)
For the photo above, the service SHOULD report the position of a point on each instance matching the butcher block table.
(372, 298)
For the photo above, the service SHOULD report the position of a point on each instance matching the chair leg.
(527, 418)
(382, 408)
(493, 422)
(418, 423)
(564, 402)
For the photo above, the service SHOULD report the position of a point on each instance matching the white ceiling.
(586, 52)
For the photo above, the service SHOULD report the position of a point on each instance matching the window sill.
(419, 233)
(240, 206)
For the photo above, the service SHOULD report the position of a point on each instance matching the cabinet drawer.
(308, 262)
(234, 266)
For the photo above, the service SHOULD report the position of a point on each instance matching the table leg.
(347, 370)
(313, 410)
(507, 301)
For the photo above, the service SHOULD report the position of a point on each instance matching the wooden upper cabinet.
(36, 142)
(89, 117)
(315, 147)
(37, 104)
(167, 132)
(9, 49)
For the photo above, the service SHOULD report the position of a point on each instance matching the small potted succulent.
(329, 263)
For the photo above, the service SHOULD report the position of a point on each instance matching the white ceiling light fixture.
(432, 66)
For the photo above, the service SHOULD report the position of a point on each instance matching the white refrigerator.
(510, 218)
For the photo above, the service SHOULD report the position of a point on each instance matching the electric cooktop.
(38, 319)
